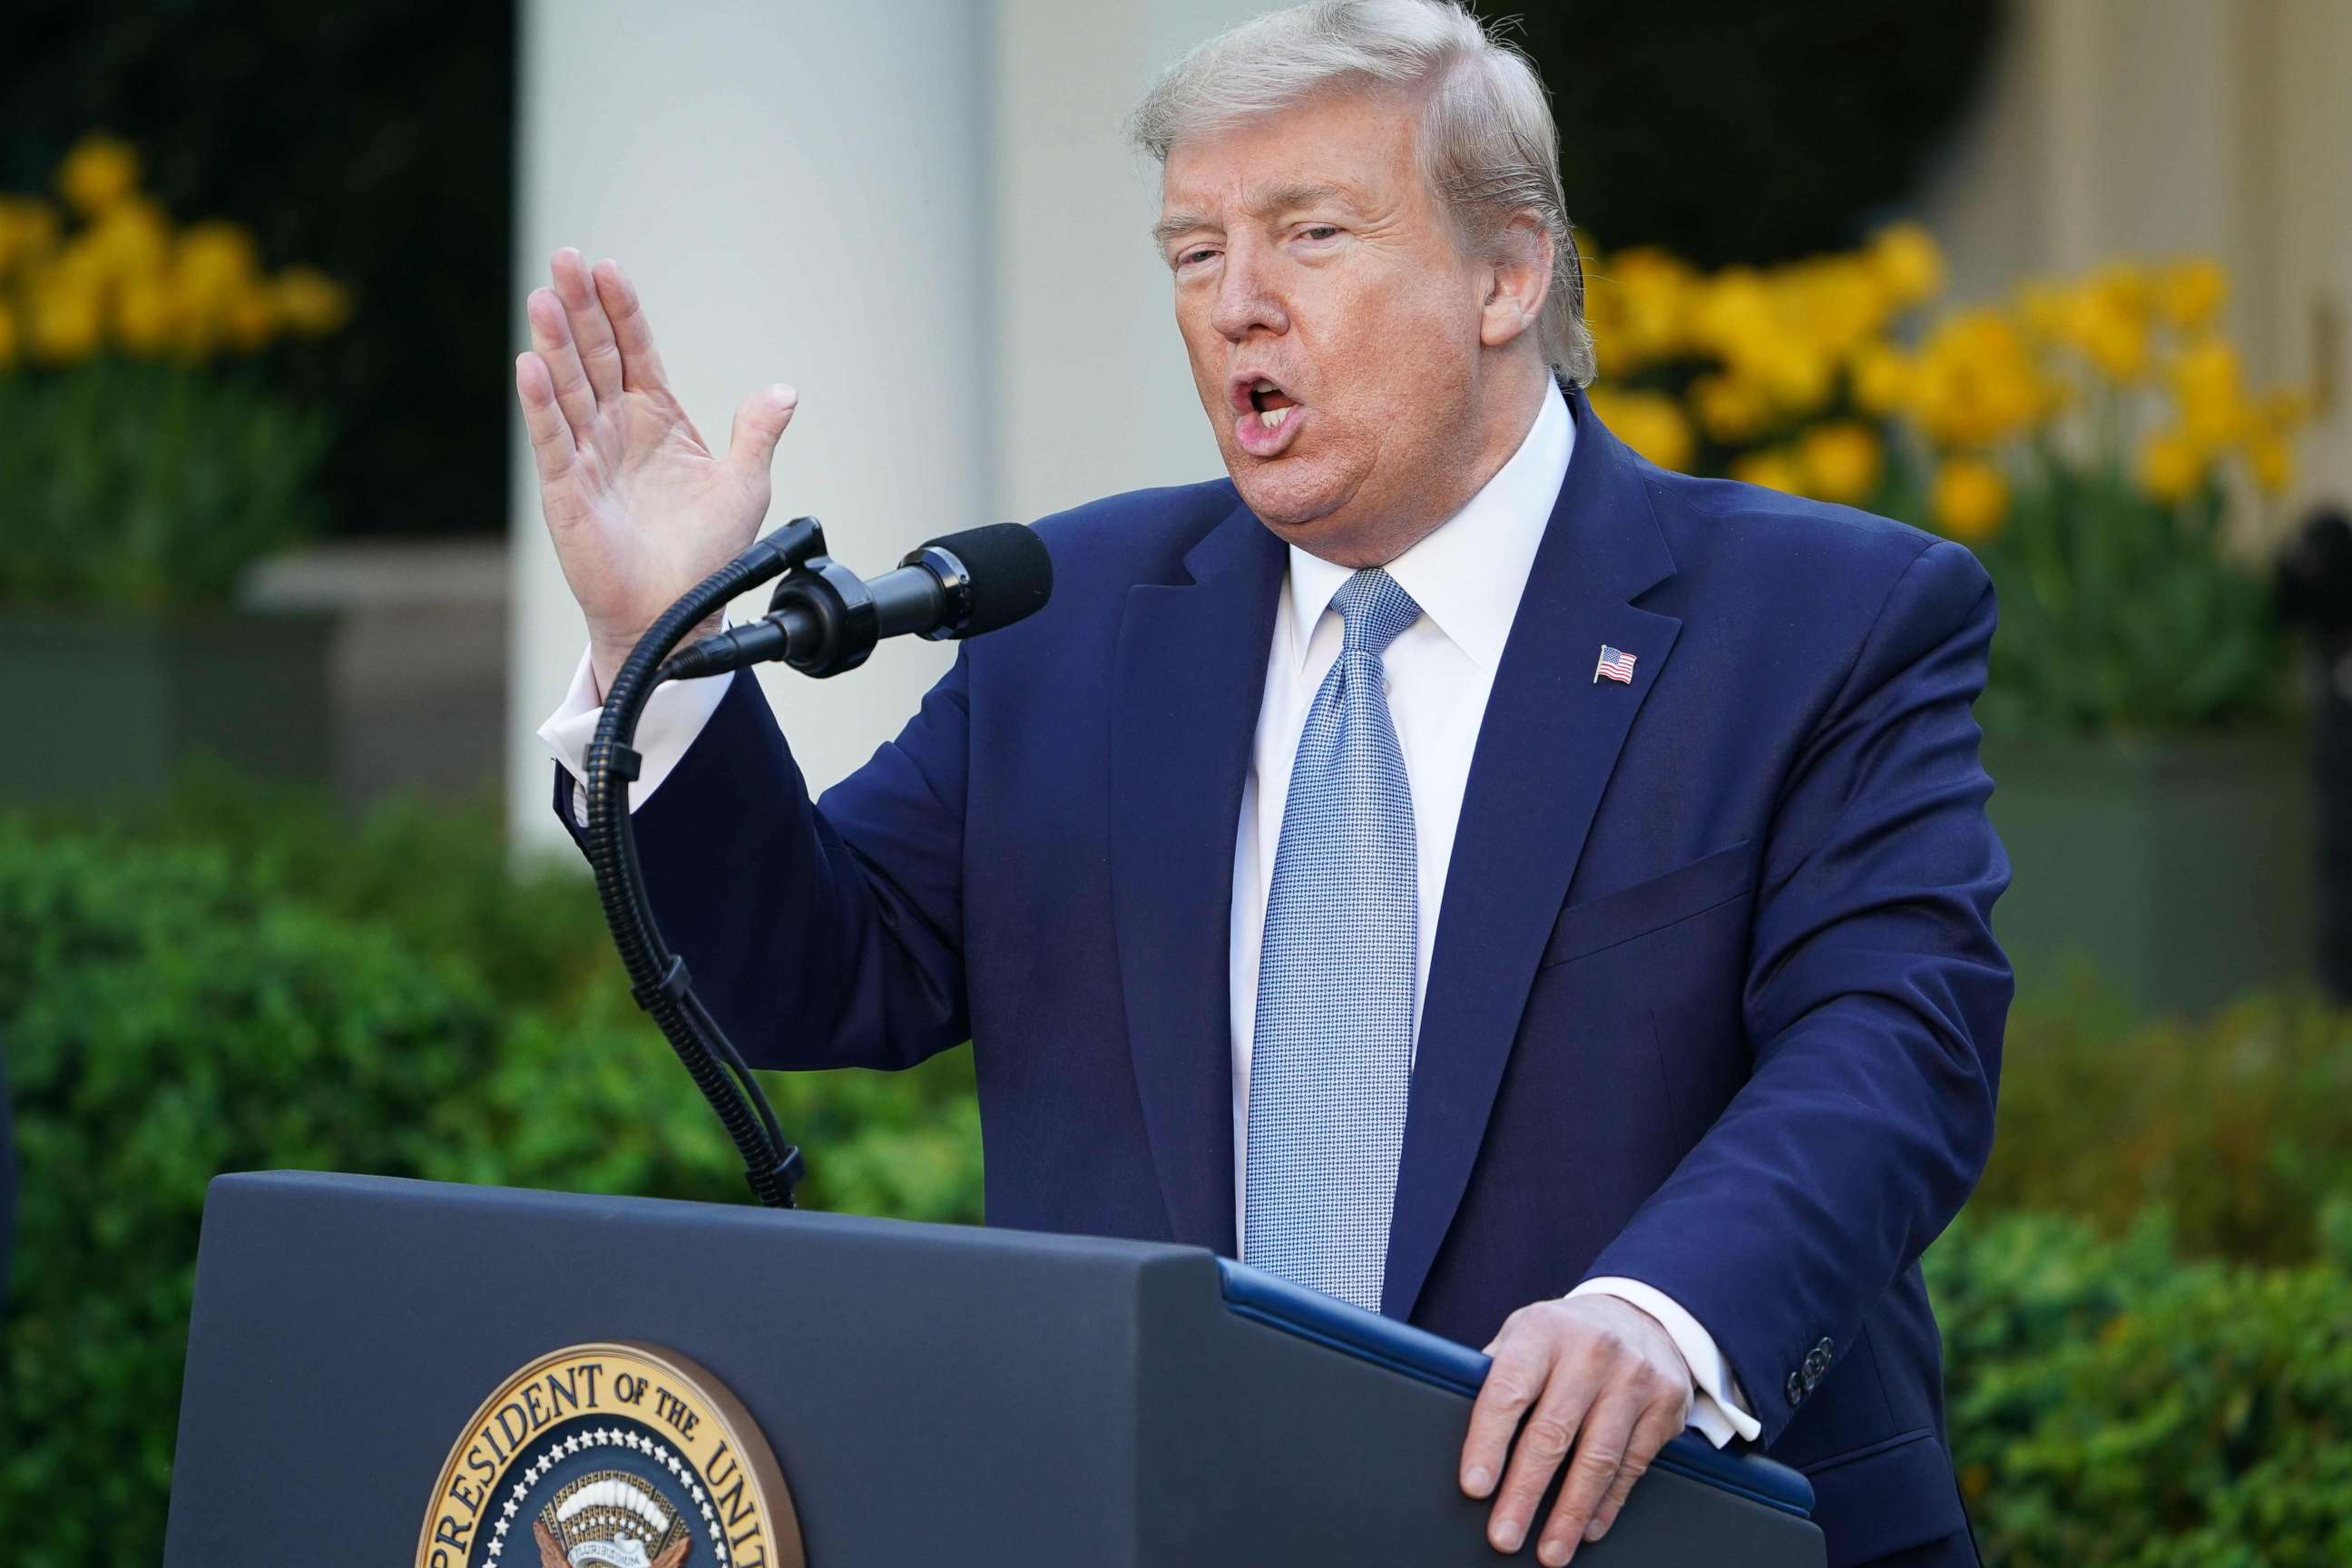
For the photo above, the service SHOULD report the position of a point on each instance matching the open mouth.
(1267, 415)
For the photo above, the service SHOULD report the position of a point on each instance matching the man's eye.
(1186, 258)
(1319, 231)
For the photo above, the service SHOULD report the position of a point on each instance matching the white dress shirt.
(1467, 575)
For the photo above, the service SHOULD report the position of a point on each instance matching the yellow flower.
(1970, 498)
(2190, 293)
(214, 260)
(1732, 410)
(2170, 467)
(1977, 383)
(7, 340)
(1841, 461)
(1799, 377)
(1772, 469)
(2205, 380)
(1881, 379)
(98, 172)
(62, 325)
(2273, 462)
(1648, 293)
(131, 240)
(310, 302)
(1908, 263)
(1649, 421)
(2110, 333)
(252, 318)
(142, 317)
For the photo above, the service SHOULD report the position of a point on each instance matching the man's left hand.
(1596, 1374)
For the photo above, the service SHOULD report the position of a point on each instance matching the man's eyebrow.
(1260, 204)
(1174, 224)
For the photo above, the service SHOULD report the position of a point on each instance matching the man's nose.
(1247, 300)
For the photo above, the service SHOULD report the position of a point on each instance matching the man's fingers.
(641, 367)
(759, 425)
(1653, 1432)
(551, 336)
(1600, 1449)
(591, 330)
(1554, 1429)
(550, 435)
(1511, 1386)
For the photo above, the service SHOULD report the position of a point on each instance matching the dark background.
(372, 138)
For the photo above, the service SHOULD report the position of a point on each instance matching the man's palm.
(639, 507)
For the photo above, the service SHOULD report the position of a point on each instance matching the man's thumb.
(759, 425)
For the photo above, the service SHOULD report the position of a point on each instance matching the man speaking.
(1448, 862)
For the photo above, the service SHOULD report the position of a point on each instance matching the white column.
(801, 191)
(1095, 394)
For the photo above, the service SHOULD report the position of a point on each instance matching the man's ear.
(1518, 280)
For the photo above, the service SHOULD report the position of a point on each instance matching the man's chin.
(1289, 495)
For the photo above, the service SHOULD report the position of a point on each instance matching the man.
(1448, 862)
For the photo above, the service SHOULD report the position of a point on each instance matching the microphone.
(825, 620)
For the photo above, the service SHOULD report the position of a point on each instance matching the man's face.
(1333, 324)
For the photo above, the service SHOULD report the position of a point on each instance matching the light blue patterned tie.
(1331, 1054)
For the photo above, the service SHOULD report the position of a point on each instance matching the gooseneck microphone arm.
(657, 977)
(823, 620)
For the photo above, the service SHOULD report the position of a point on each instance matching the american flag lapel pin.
(1616, 664)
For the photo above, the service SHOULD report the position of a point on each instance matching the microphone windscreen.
(1010, 574)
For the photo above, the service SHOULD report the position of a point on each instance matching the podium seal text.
(610, 1456)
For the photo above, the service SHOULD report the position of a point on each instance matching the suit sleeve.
(819, 935)
(1873, 1003)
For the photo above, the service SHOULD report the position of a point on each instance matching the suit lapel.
(1545, 753)
(1190, 673)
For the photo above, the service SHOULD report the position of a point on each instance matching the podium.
(929, 1393)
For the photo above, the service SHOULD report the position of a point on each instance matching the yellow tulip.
(1841, 461)
(1881, 379)
(2273, 462)
(2206, 383)
(1909, 264)
(1976, 382)
(310, 302)
(132, 238)
(1970, 498)
(252, 318)
(216, 259)
(2110, 335)
(1731, 409)
(63, 323)
(2190, 293)
(1650, 422)
(98, 172)
(1647, 293)
(2170, 467)
(1773, 469)
(142, 317)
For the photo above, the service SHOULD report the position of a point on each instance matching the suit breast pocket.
(1594, 925)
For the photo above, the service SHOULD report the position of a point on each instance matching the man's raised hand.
(639, 507)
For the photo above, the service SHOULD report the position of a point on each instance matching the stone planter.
(2181, 869)
(114, 705)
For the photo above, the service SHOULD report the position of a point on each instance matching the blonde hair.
(1488, 144)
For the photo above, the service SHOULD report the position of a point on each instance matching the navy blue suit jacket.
(1715, 1002)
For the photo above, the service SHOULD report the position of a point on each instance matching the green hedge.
(2239, 1124)
(237, 981)
(2111, 1403)
(171, 1012)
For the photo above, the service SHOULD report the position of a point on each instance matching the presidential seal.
(610, 1456)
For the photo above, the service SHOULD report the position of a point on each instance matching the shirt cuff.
(1718, 1405)
(674, 715)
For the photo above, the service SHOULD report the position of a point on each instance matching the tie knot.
(1374, 611)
